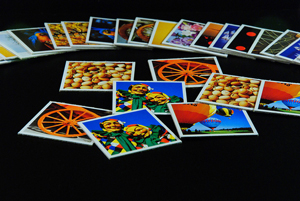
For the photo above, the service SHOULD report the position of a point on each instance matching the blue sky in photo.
(237, 120)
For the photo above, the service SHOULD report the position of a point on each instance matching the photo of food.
(58, 34)
(77, 32)
(230, 90)
(95, 75)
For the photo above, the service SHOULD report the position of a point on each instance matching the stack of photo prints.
(131, 125)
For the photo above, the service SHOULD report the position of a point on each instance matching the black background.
(260, 167)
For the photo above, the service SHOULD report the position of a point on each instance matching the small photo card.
(133, 95)
(11, 44)
(95, 75)
(241, 42)
(291, 52)
(101, 31)
(76, 32)
(206, 120)
(34, 40)
(128, 133)
(193, 71)
(265, 38)
(223, 37)
(160, 31)
(279, 97)
(57, 35)
(281, 42)
(123, 29)
(230, 90)
(59, 121)
(184, 33)
(207, 35)
(6, 54)
(141, 31)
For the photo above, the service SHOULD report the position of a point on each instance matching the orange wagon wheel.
(190, 72)
(63, 122)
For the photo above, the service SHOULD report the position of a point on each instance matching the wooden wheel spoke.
(178, 77)
(188, 66)
(59, 129)
(68, 130)
(201, 70)
(196, 67)
(51, 122)
(71, 114)
(194, 79)
(60, 124)
(179, 66)
(172, 68)
(62, 115)
(202, 74)
(175, 74)
(78, 131)
(178, 73)
(204, 78)
(54, 118)
(185, 78)
(172, 72)
(80, 115)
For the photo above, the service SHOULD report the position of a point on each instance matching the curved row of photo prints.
(209, 38)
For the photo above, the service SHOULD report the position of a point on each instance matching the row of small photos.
(104, 33)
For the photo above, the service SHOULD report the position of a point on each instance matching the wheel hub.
(187, 72)
(69, 123)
